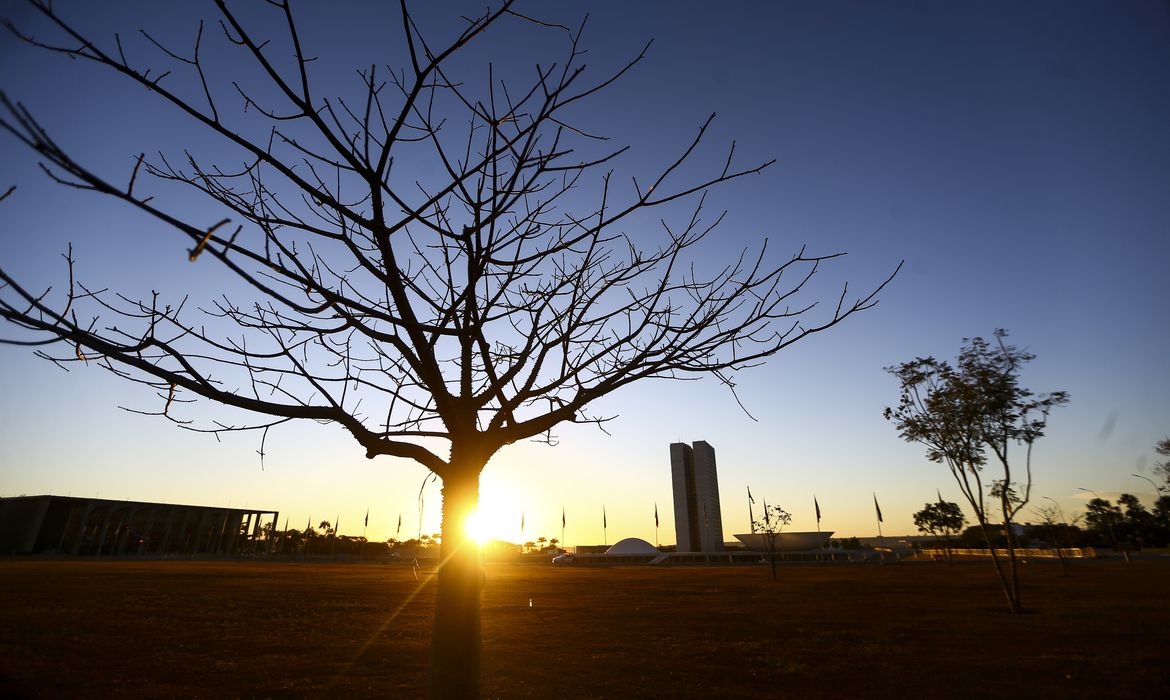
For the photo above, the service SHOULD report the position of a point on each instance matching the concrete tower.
(698, 522)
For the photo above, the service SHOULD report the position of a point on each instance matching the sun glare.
(477, 528)
(498, 517)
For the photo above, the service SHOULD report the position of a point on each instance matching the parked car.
(566, 558)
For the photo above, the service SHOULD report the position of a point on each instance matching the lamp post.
(1157, 489)
(1108, 523)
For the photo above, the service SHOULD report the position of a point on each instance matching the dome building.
(631, 546)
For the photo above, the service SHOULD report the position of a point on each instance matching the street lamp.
(1157, 489)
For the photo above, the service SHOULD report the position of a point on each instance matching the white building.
(698, 522)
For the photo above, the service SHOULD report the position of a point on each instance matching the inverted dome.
(631, 546)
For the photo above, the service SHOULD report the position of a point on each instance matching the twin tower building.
(698, 523)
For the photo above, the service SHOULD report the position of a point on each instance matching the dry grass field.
(71, 629)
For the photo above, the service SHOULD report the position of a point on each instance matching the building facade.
(698, 522)
(100, 527)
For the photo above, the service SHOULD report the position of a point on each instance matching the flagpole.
(820, 545)
(365, 526)
(563, 525)
(308, 537)
(333, 540)
(656, 543)
(751, 518)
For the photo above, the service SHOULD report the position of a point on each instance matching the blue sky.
(1015, 155)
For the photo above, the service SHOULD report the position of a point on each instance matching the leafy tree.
(1103, 520)
(942, 519)
(1137, 524)
(965, 412)
(427, 266)
(1161, 517)
(770, 523)
(1111, 524)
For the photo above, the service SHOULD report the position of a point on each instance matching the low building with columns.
(100, 527)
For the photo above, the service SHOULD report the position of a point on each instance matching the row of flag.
(605, 518)
(816, 505)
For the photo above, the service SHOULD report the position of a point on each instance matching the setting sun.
(477, 528)
(498, 517)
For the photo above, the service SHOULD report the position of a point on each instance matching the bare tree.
(436, 319)
(962, 413)
(1056, 528)
(770, 525)
(1162, 469)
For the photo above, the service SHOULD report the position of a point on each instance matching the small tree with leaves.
(1103, 520)
(973, 414)
(941, 519)
(769, 525)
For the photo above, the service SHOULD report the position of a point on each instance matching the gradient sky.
(1015, 155)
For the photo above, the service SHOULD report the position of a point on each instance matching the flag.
(562, 518)
(751, 515)
(367, 523)
(604, 521)
(399, 530)
(336, 524)
(818, 507)
(521, 522)
(655, 515)
(877, 508)
(309, 525)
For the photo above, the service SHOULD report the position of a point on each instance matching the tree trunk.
(1013, 603)
(1013, 567)
(455, 641)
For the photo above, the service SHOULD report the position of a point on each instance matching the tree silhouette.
(770, 524)
(964, 412)
(1162, 468)
(941, 519)
(1053, 520)
(427, 270)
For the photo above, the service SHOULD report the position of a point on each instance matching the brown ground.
(920, 630)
